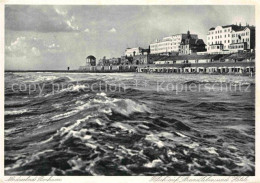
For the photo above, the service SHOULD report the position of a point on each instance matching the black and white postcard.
(136, 92)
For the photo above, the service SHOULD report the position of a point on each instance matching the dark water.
(129, 124)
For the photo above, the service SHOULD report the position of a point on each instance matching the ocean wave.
(14, 104)
(219, 106)
(16, 112)
(108, 105)
(61, 79)
(136, 132)
(228, 82)
(39, 78)
(64, 115)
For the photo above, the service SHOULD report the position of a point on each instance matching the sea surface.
(129, 124)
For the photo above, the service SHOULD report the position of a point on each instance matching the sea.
(121, 124)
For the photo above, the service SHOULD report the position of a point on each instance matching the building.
(126, 60)
(169, 44)
(230, 38)
(114, 61)
(130, 52)
(143, 59)
(111, 61)
(241, 63)
(190, 45)
(91, 60)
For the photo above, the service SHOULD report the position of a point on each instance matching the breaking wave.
(133, 131)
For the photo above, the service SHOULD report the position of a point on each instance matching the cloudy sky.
(57, 37)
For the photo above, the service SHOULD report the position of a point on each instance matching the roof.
(234, 27)
(193, 41)
(200, 41)
(140, 48)
(91, 57)
(226, 26)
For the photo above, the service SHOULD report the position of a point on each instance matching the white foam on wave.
(191, 146)
(73, 88)
(78, 102)
(127, 107)
(101, 94)
(181, 135)
(76, 163)
(39, 78)
(15, 112)
(143, 126)
(34, 157)
(154, 139)
(91, 145)
(211, 150)
(124, 127)
(65, 130)
(244, 164)
(98, 122)
(64, 115)
(69, 132)
(154, 163)
(77, 134)
(122, 106)
(105, 110)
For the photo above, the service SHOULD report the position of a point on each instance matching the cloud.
(86, 30)
(30, 47)
(69, 23)
(22, 48)
(113, 30)
(39, 19)
(61, 12)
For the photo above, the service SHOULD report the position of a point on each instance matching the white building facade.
(130, 52)
(169, 44)
(230, 38)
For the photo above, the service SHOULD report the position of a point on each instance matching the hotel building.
(130, 52)
(230, 38)
(169, 44)
(191, 46)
